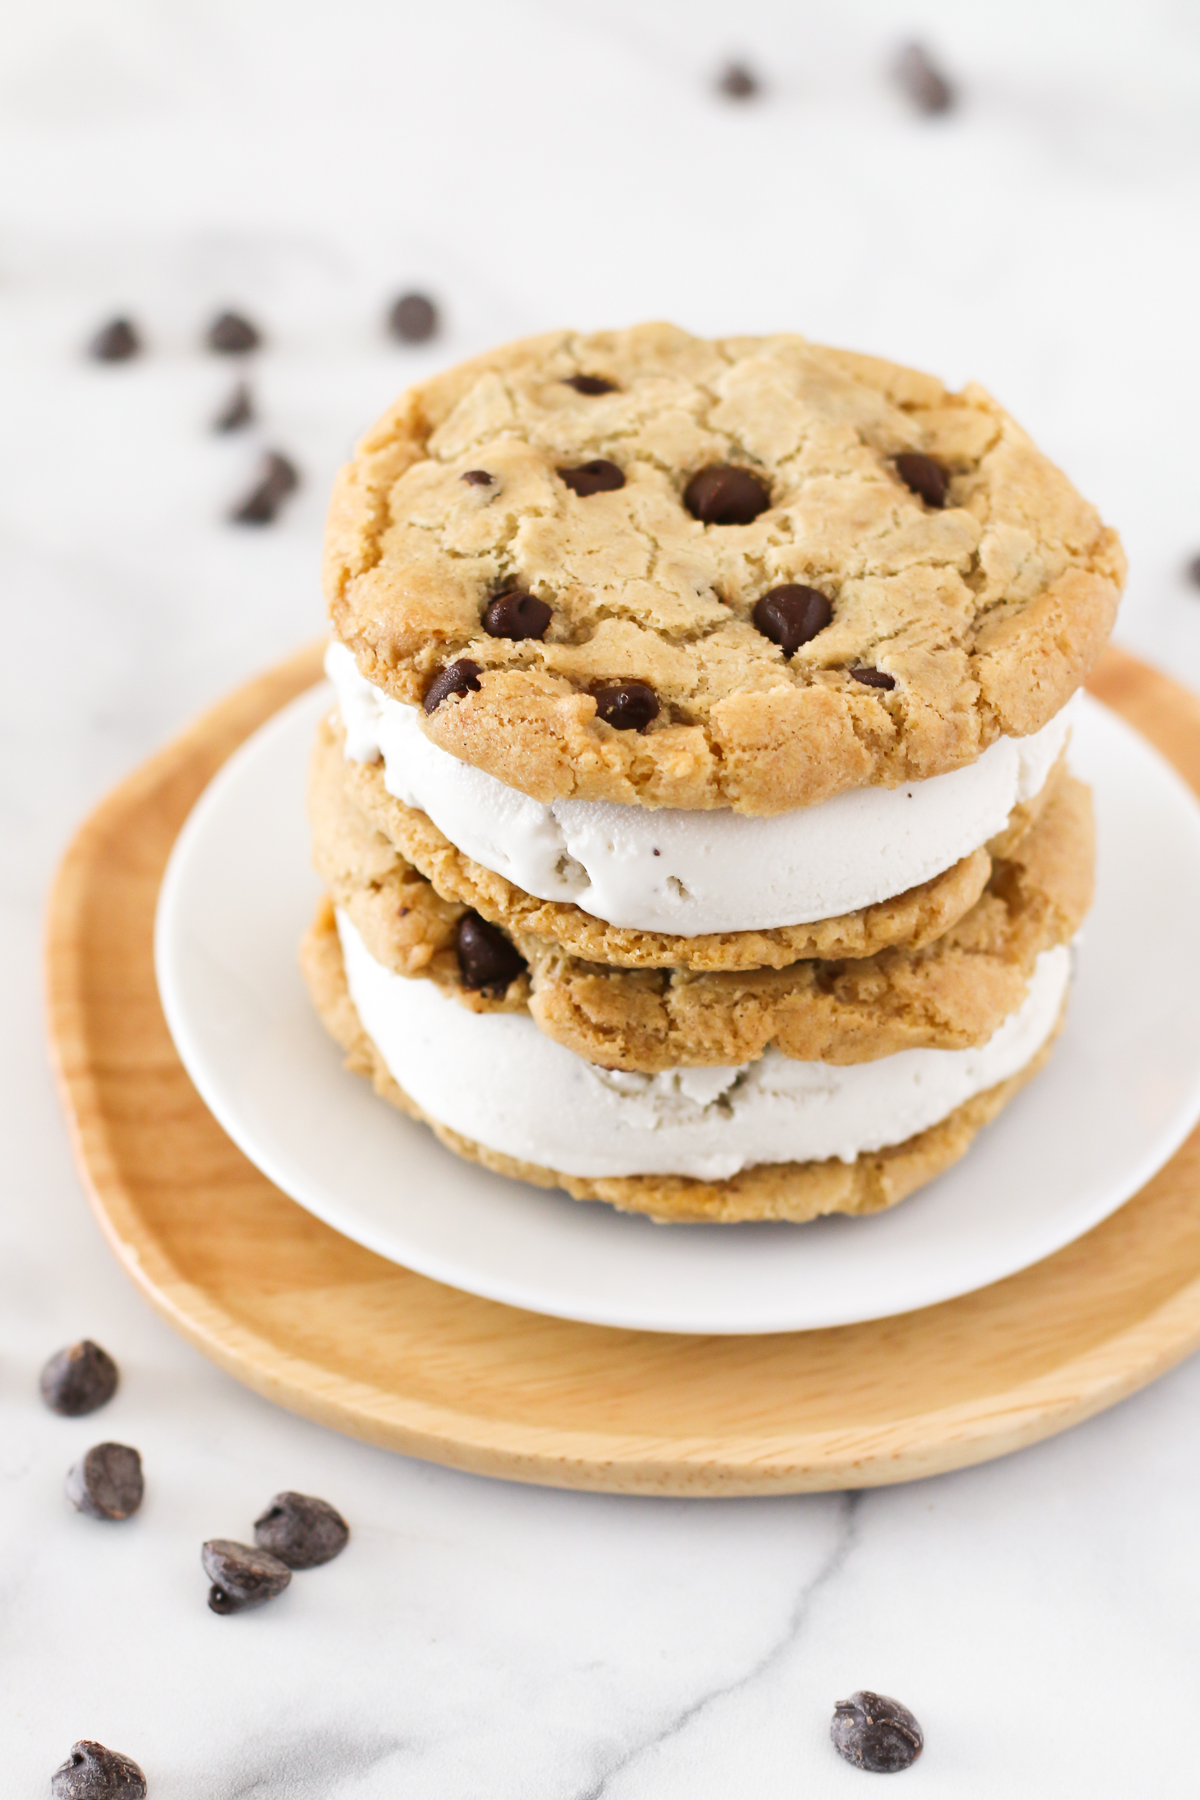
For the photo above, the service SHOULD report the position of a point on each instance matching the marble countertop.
(532, 165)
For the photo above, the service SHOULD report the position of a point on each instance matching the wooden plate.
(308, 1318)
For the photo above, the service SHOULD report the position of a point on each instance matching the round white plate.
(1121, 1092)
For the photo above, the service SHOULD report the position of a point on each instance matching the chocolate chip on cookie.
(923, 81)
(625, 705)
(477, 478)
(107, 1483)
(925, 477)
(94, 1772)
(724, 494)
(231, 334)
(596, 477)
(589, 384)
(874, 678)
(486, 957)
(115, 342)
(791, 615)
(516, 615)
(413, 318)
(461, 677)
(875, 1733)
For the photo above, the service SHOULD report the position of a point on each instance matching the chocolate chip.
(461, 677)
(1193, 571)
(115, 342)
(596, 477)
(107, 1483)
(277, 478)
(923, 81)
(589, 384)
(874, 678)
(737, 83)
(92, 1772)
(242, 1575)
(876, 1733)
(791, 615)
(413, 318)
(926, 478)
(79, 1379)
(237, 411)
(231, 334)
(625, 705)
(516, 615)
(486, 957)
(477, 478)
(301, 1531)
(723, 494)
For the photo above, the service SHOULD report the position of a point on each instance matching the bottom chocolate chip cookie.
(795, 1191)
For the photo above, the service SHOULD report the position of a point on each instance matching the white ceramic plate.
(1120, 1094)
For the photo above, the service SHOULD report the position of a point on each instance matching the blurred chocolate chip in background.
(93, 1772)
(277, 478)
(413, 319)
(596, 477)
(107, 1483)
(923, 476)
(115, 342)
(737, 82)
(238, 410)
(1192, 571)
(923, 82)
(872, 1732)
(301, 1531)
(232, 334)
(589, 384)
(79, 1379)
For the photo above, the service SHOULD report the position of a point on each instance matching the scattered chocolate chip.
(301, 1531)
(925, 477)
(923, 81)
(736, 82)
(461, 677)
(237, 411)
(516, 615)
(92, 1772)
(107, 1483)
(876, 1733)
(477, 478)
(791, 615)
(1193, 571)
(230, 334)
(79, 1379)
(277, 478)
(723, 494)
(115, 342)
(486, 957)
(874, 678)
(596, 477)
(625, 705)
(413, 319)
(242, 1575)
(589, 384)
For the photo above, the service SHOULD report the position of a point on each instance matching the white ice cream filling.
(494, 1078)
(692, 872)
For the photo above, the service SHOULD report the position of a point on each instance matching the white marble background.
(535, 164)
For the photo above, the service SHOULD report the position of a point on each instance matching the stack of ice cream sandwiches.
(695, 813)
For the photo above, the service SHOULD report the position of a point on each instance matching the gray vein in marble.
(312, 1766)
(798, 1618)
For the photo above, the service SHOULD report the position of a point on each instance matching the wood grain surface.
(309, 1319)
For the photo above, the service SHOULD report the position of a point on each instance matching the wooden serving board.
(308, 1318)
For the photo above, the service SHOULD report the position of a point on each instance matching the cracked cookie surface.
(952, 994)
(793, 1191)
(984, 614)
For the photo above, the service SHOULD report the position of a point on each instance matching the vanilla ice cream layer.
(495, 1079)
(691, 872)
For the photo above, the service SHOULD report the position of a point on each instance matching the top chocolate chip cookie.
(643, 567)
